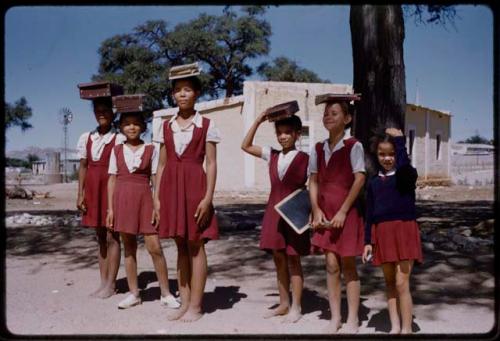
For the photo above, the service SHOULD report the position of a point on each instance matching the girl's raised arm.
(247, 144)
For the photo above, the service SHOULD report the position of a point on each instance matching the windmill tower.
(65, 118)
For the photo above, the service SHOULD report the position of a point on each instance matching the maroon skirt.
(395, 241)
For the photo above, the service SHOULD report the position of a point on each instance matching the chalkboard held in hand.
(295, 209)
(282, 111)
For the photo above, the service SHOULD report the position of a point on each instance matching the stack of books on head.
(282, 111)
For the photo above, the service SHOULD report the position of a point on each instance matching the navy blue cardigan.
(392, 198)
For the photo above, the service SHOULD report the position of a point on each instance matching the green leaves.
(283, 69)
(17, 115)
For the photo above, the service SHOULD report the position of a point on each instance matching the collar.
(340, 144)
(389, 173)
(94, 134)
(197, 120)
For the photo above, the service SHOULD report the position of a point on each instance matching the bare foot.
(191, 316)
(350, 328)
(95, 292)
(293, 316)
(404, 331)
(106, 292)
(395, 331)
(280, 310)
(332, 327)
(177, 314)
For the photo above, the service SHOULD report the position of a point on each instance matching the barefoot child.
(337, 176)
(94, 149)
(184, 192)
(391, 224)
(287, 172)
(130, 203)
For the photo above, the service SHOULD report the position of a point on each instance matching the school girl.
(287, 172)
(391, 230)
(130, 201)
(184, 192)
(337, 176)
(94, 149)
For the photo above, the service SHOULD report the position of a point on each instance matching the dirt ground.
(51, 270)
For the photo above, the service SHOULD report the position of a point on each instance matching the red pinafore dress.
(183, 185)
(96, 186)
(132, 199)
(276, 234)
(334, 183)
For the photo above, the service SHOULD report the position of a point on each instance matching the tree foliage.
(476, 139)
(224, 44)
(282, 69)
(18, 114)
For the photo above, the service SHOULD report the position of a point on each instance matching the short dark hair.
(102, 100)
(139, 115)
(379, 138)
(292, 121)
(195, 82)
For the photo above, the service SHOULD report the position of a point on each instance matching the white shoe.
(170, 302)
(129, 301)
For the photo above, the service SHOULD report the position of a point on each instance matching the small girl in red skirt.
(337, 176)
(288, 172)
(130, 201)
(391, 225)
(184, 192)
(94, 149)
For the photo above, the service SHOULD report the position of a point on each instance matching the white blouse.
(284, 160)
(133, 159)
(184, 135)
(357, 155)
(98, 143)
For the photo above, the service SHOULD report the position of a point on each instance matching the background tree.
(224, 45)
(18, 114)
(377, 35)
(476, 139)
(282, 69)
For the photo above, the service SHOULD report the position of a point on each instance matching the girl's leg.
(280, 261)
(102, 253)
(392, 294)
(333, 285)
(113, 263)
(154, 248)
(297, 284)
(130, 246)
(352, 288)
(199, 269)
(403, 271)
(183, 277)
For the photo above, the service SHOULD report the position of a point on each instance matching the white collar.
(340, 144)
(94, 134)
(197, 119)
(389, 173)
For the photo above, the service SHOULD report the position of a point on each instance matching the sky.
(50, 49)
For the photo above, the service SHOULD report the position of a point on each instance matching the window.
(304, 140)
(411, 141)
(438, 146)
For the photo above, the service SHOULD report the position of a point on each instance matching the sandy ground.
(51, 270)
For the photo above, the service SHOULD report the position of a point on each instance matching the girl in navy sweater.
(391, 230)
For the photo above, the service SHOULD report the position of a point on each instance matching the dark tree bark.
(377, 34)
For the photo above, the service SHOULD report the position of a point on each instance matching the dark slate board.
(295, 210)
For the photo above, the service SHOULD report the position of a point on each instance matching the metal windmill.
(65, 118)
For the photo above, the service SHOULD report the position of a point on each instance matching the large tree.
(224, 44)
(282, 69)
(18, 114)
(377, 34)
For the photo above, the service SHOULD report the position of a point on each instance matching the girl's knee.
(294, 263)
(402, 285)
(333, 269)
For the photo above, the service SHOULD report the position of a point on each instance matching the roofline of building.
(442, 112)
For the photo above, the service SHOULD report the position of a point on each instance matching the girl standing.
(184, 192)
(94, 149)
(130, 203)
(337, 176)
(288, 172)
(391, 225)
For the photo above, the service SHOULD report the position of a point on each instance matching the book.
(330, 97)
(295, 209)
(282, 110)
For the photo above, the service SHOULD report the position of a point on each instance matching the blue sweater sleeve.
(406, 174)
(368, 213)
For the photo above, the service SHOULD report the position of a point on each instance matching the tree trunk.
(377, 34)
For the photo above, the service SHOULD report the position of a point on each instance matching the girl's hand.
(155, 219)
(393, 132)
(80, 203)
(338, 220)
(318, 219)
(109, 220)
(367, 253)
(203, 213)
(262, 117)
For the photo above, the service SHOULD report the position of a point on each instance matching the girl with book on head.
(131, 167)
(336, 177)
(94, 149)
(184, 192)
(287, 172)
(391, 230)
